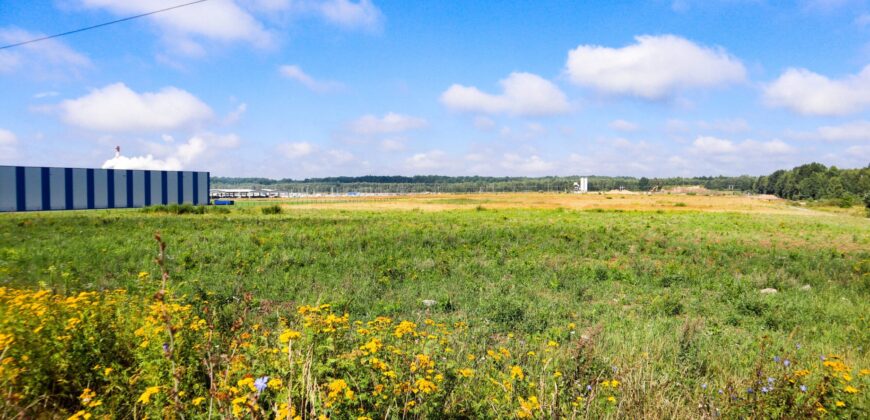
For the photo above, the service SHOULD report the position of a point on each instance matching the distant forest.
(806, 182)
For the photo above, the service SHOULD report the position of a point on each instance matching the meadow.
(483, 306)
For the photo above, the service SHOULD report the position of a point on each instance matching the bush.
(175, 209)
(273, 209)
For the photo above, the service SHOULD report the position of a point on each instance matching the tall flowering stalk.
(167, 319)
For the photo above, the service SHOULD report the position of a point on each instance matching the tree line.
(811, 181)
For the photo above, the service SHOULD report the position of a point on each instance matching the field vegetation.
(483, 306)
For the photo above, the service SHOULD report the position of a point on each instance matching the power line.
(100, 25)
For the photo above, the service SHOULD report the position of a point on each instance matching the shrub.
(273, 209)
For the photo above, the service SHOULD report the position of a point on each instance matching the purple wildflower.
(776, 359)
(764, 389)
(261, 383)
(803, 388)
(703, 386)
(770, 380)
(589, 387)
(786, 363)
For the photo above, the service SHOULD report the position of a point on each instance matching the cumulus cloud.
(362, 14)
(295, 72)
(855, 131)
(653, 68)
(390, 123)
(427, 161)
(221, 20)
(808, 93)
(117, 108)
(533, 164)
(713, 146)
(522, 94)
(40, 58)
(623, 125)
(296, 150)
(176, 158)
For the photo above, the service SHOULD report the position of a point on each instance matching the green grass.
(674, 295)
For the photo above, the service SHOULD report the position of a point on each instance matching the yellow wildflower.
(528, 407)
(288, 335)
(840, 404)
(552, 344)
(466, 372)
(275, 383)
(145, 398)
(851, 389)
(81, 414)
(247, 382)
(847, 377)
(612, 399)
(517, 373)
(372, 346)
(197, 401)
(405, 327)
(425, 386)
(864, 372)
(107, 371)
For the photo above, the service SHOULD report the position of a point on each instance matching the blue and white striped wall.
(24, 188)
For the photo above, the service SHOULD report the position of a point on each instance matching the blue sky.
(307, 88)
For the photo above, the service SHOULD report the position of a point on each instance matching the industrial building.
(24, 188)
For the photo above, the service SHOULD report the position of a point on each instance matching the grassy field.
(617, 305)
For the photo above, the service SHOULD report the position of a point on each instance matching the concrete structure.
(40, 188)
(582, 186)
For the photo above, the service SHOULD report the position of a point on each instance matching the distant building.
(582, 186)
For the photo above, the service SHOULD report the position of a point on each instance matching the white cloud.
(339, 157)
(431, 160)
(178, 158)
(118, 108)
(713, 146)
(362, 14)
(809, 93)
(523, 94)
(295, 72)
(7, 138)
(296, 150)
(533, 164)
(654, 68)
(8, 146)
(857, 131)
(623, 125)
(392, 144)
(221, 20)
(39, 58)
(389, 123)
(236, 114)
(736, 125)
(48, 94)
(860, 152)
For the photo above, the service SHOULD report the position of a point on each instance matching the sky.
(313, 88)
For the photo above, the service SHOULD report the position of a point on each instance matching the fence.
(24, 188)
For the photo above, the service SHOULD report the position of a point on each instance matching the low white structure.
(582, 186)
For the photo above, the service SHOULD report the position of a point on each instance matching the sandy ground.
(592, 201)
